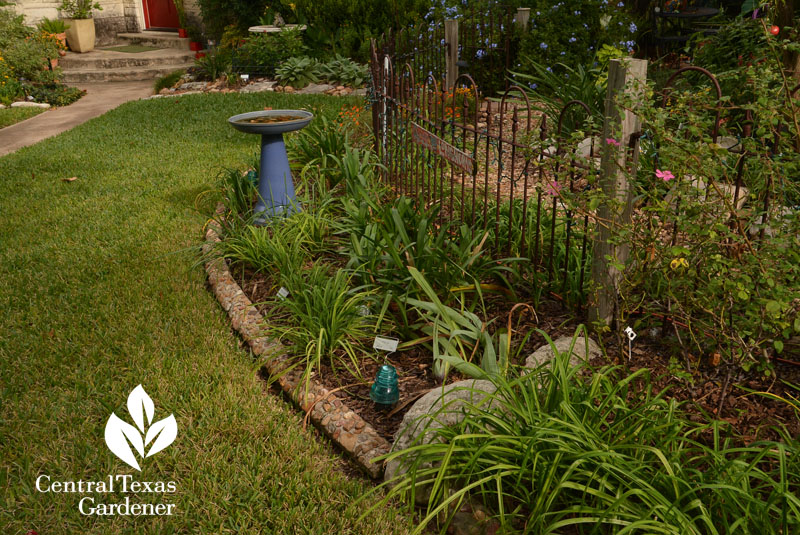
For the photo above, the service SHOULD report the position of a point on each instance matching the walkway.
(99, 98)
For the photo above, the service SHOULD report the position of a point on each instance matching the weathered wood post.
(451, 58)
(522, 18)
(626, 77)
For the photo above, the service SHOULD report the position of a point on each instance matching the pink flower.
(664, 175)
(553, 188)
(612, 141)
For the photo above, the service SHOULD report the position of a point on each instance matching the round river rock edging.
(329, 414)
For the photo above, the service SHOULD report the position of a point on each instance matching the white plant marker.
(631, 337)
(383, 343)
(283, 293)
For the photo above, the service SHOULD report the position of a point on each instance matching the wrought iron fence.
(497, 169)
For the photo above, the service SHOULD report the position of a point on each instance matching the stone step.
(120, 75)
(109, 59)
(113, 66)
(158, 39)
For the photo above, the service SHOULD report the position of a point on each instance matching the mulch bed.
(710, 391)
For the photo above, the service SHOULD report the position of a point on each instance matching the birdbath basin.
(275, 185)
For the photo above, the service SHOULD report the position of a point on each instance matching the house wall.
(117, 16)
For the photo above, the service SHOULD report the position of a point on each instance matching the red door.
(160, 14)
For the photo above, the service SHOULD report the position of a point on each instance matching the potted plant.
(56, 28)
(78, 14)
(181, 17)
(195, 39)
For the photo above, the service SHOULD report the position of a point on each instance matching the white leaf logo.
(166, 430)
(120, 435)
(138, 402)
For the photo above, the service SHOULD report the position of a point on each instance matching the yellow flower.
(678, 263)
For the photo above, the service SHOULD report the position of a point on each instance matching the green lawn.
(11, 116)
(99, 294)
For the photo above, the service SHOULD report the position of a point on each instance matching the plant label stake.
(245, 77)
(283, 293)
(385, 344)
(631, 338)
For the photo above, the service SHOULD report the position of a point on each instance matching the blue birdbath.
(275, 185)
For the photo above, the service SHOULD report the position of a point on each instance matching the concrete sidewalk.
(99, 98)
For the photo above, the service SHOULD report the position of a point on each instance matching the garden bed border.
(346, 428)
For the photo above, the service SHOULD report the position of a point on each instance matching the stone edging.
(331, 416)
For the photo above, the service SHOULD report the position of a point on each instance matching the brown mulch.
(709, 391)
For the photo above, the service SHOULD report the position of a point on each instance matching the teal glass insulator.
(252, 177)
(384, 390)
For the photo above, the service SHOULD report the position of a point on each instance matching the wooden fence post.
(451, 57)
(522, 18)
(619, 156)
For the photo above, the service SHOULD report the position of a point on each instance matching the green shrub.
(265, 52)
(314, 146)
(297, 72)
(237, 192)
(79, 9)
(10, 88)
(550, 89)
(458, 337)
(731, 53)
(52, 25)
(218, 14)
(168, 80)
(326, 319)
(214, 64)
(386, 239)
(701, 260)
(53, 93)
(343, 71)
(571, 32)
(262, 248)
(26, 51)
(345, 26)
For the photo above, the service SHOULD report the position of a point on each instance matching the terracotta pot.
(195, 46)
(80, 34)
(199, 55)
(182, 32)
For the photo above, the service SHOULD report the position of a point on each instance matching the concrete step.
(112, 66)
(119, 75)
(158, 39)
(109, 59)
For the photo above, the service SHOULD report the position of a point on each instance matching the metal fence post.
(451, 44)
(522, 18)
(620, 148)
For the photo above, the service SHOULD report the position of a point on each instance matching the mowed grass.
(11, 116)
(100, 293)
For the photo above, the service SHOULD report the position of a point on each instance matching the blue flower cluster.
(570, 31)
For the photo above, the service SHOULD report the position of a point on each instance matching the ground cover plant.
(556, 449)
(103, 294)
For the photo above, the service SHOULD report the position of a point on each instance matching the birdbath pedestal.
(276, 195)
